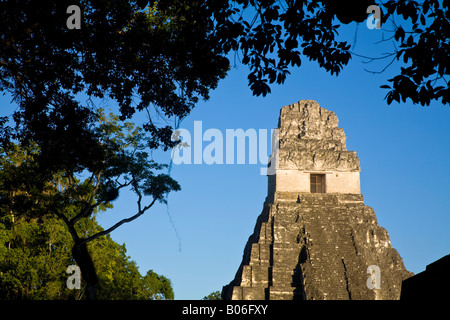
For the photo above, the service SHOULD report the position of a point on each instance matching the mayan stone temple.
(315, 238)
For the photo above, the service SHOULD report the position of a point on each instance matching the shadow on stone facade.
(297, 276)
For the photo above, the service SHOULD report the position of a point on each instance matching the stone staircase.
(314, 246)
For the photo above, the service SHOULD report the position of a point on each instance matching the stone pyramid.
(315, 238)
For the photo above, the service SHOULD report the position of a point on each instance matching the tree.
(216, 295)
(37, 244)
(162, 55)
(35, 254)
(275, 35)
(158, 286)
(74, 197)
(424, 49)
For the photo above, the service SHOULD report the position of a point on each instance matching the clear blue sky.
(404, 151)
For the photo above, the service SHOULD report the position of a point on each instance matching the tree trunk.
(84, 261)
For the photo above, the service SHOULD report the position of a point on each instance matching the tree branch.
(118, 224)
(89, 207)
(377, 72)
(387, 55)
(69, 225)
